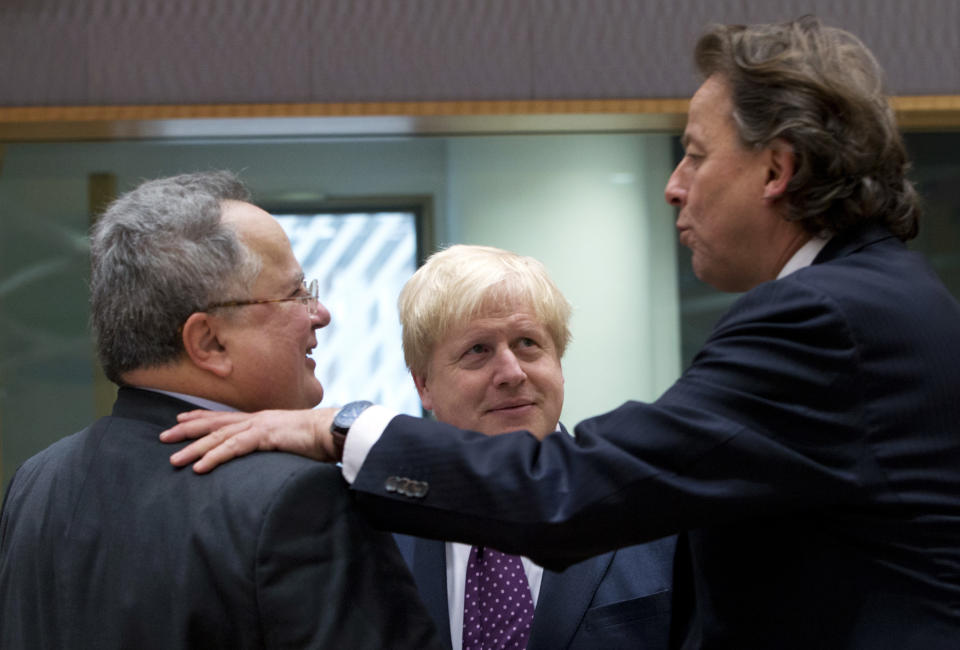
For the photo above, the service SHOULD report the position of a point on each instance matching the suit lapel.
(427, 560)
(563, 601)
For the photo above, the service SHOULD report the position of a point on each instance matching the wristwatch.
(347, 415)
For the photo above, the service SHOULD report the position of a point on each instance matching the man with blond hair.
(484, 332)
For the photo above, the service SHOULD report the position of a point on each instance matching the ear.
(780, 169)
(203, 345)
(423, 391)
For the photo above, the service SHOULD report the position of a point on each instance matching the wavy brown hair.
(821, 90)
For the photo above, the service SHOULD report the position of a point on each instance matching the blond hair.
(458, 283)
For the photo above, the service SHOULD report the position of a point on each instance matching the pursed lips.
(507, 406)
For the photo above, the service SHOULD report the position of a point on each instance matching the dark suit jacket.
(811, 451)
(103, 544)
(614, 600)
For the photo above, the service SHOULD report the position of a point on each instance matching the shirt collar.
(804, 256)
(200, 402)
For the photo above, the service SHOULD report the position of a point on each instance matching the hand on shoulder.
(222, 436)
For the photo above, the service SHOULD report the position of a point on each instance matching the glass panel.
(361, 261)
(936, 170)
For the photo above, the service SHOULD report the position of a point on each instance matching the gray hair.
(820, 89)
(160, 253)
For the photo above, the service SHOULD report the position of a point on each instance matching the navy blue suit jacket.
(620, 599)
(811, 452)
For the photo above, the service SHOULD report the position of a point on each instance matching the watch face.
(347, 415)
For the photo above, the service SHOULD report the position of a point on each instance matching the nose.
(675, 192)
(321, 318)
(509, 371)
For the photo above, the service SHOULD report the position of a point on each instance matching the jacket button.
(420, 489)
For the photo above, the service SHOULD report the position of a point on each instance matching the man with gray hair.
(197, 300)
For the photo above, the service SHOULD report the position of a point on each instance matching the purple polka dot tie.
(497, 605)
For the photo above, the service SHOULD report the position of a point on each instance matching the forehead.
(258, 230)
(264, 236)
(510, 316)
(512, 308)
(711, 113)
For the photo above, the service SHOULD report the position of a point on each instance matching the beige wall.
(591, 208)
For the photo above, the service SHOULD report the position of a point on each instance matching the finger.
(233, 447)
(185, 431)
(221, 417)
(198, 448)
(194, 424)
(195, 414)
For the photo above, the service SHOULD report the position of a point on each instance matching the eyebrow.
(687, 139)
(298, 283)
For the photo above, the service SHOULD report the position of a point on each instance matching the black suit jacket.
(811, 451)
(103, 544)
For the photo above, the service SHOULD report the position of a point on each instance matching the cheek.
(295, 335)
(426, 399)
(470, 388)
(549, 377)
(452, 394)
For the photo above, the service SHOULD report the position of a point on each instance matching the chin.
(304, 401)
(507, 425)
(312, 394)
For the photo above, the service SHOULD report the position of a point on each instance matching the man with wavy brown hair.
(810, 453)
(801, 106)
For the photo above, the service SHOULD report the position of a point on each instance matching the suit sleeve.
(767, 419)
(325, 579)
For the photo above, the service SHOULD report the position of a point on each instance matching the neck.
(793, 244)
(178, 378)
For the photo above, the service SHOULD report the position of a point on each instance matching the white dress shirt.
(804, 256)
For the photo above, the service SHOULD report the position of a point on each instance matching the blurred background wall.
(543, 126)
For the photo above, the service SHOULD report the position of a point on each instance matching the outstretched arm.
(223, 436)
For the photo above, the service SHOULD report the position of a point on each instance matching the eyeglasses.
(309, 298)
